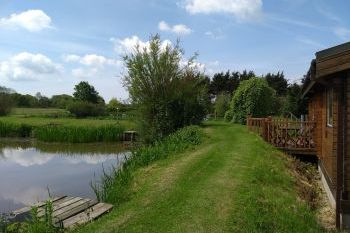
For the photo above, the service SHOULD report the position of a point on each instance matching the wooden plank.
(88, 215)
(60, 206)
(24, 213)
(38, 204)
(73, 209)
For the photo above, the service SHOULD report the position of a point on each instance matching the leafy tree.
(61, 101)
(6, 104)
(277, 82)
(246, 75)
(166, 93)
(222, 103)
(254, 97)
(86, 92)
(295, 104)
(228, 82)
(27, 101)
(115, 107)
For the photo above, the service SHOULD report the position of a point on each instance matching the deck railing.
(284, 133)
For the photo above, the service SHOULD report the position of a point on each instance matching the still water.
(29, 169)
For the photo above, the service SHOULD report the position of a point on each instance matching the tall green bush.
(253, 97)
(222, 104)
(167, 93)
(82, 109)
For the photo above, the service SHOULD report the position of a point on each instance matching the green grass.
(232, 182)
(36, 123)
(39, 112)
(113, 187)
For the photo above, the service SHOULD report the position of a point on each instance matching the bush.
(254, 97)
(84, 109)
(6, 104)
(222, 104)
(228, 115)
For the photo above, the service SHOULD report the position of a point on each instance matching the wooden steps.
(68, 212)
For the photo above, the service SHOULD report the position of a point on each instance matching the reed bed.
(8, 129)
(64, 133)
(113, 185)
(79, 134)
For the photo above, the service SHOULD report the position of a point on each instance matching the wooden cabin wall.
(325, 136)
(347, 147)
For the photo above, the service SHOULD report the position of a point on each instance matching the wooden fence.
(284, 133)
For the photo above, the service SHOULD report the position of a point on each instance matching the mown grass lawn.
(43, 116)
(232, 182)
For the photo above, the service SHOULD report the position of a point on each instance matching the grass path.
(233, 182)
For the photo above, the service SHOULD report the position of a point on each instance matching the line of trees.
(84, 102)
(285, 96)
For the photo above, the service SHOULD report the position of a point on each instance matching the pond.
(30, 170)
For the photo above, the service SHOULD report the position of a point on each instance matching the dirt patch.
(311, 191)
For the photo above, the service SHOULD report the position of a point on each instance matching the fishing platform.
(68, 212)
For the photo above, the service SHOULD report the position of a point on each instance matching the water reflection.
(28, 169)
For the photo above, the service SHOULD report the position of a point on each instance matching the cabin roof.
(333, 51)
(327, 62)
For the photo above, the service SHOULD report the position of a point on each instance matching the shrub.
(254, 97)
(222, 104)
(6, 104)
(82, 109)
(228, 115)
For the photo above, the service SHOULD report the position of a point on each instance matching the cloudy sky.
(49, 46)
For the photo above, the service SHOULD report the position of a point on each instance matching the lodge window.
(330, 107)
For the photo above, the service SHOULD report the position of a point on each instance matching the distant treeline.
(85, 101)
(222, 87)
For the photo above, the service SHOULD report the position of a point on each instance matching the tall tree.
(86, 92)
(277, 82)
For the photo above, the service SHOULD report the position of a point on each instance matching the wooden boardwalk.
(68, 212)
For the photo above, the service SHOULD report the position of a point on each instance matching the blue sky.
(49, 46)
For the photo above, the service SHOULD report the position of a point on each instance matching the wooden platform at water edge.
(68, 212)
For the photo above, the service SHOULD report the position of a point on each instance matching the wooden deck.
(68, 212)
(291, 136)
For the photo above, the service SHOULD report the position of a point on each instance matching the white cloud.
(31, 20)
(28, 66)
(179, 29)
(91, 60)
(241, 9)
(83, 73)
(94, 66)
(129, 44)
(342, 32)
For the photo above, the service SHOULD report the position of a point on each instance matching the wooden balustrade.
(284, 133)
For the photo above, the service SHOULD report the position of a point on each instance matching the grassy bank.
(232, 182)
(114, 187)
(61, 129)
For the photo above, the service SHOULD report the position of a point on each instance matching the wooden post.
(249, 121)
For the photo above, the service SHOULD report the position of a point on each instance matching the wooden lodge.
(326, 132)
(327, 89)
